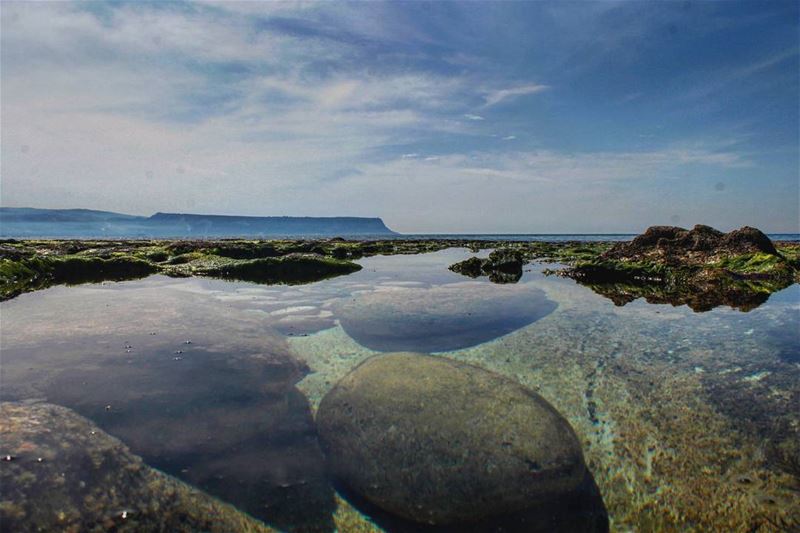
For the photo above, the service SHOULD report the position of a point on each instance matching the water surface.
(685, 418)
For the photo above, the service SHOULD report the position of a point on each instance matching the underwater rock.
(438, 441)
(442, 318)
(502, 266)
(233, 425)
(60, 472)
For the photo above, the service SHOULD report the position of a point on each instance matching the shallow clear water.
(682, 416)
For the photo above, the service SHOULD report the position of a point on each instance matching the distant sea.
(520, 237)
(552, 237)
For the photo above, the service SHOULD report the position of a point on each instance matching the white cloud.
(167, 109)
(136, 128)
(537, 191)
(494, 97)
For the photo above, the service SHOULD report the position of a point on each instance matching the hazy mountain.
(78, 223)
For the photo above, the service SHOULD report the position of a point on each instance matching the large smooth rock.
(439, 441)
(443, 318)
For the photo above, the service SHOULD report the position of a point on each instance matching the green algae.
(702, 278)
(34, 264)
(34, 273)
(27, 266)
(289, 269)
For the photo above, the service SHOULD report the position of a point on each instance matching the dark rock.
(505, 260)
(701, 244)
(581, 510)
(472, 267)
(438, 441)
(702, 268)
(289, 269)
(747, 239)
(502, 266)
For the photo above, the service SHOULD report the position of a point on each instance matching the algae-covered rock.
(441, 318)
(439, 441)
(673, 245)
(502, 266)
(472, 267)
(702, 268)
(288, 269)
(60, 472)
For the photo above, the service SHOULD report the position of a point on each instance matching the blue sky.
(439, 117)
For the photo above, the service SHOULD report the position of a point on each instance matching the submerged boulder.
(443, 318)
(439, 441)
(60, 472)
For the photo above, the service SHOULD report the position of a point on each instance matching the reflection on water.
(671, 406)
(438, 319)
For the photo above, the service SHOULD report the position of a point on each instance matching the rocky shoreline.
(701, 267)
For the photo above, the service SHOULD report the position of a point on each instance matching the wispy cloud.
(496, 96)
(326, 108)
(470, 189)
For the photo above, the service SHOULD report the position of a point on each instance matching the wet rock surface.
(502, 266)
(441, 318)
(440, 442)
(674, 245)
(60, 472)
(702, 268)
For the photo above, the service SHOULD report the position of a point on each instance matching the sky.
(443, 117)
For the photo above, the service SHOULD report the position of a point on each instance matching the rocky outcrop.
(502, 266)
(698, 246)
(702, 268)
(439, 441)
(289, 269)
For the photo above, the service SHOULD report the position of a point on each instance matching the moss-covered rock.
(31, 265)
(702, 268)
(289, 269)
(38, 272)
(502, 266)
(439, 441)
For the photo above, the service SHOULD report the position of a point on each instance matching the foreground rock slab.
(438, 441)
(60, 472)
